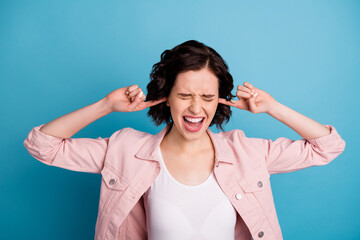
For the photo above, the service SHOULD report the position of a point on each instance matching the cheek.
(176, 110)
(211, 109)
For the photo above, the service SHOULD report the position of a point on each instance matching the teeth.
(194, 120)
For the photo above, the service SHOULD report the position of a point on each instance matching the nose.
(195, 106)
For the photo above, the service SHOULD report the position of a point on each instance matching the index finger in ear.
(226, 102)
(153, 103)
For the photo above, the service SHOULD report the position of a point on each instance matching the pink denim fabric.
(128, 162)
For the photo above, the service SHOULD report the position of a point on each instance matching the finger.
(252, 104)
(134, 93)
(143, 97)
(245, 89)
(137, 100)
(231, 103)
(152, 103)
(132, 88)
(242, 94)
(134, 97)
(249, 85)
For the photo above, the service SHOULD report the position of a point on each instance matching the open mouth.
(193, 124)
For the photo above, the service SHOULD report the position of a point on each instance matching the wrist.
(274, 109)
(106, 106)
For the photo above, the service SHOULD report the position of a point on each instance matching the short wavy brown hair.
(190, 55)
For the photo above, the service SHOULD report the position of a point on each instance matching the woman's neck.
(175, 142)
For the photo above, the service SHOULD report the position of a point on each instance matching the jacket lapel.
(148, 151)
(223, 152)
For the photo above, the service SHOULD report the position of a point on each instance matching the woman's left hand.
(251, 99)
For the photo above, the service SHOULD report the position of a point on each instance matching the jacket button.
(261, 234)
(112, 181)
(238, 196)
(260, 184)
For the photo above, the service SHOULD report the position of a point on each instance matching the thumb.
(252, 105)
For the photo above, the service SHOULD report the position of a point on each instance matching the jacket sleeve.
(77, 154)
(285, 155)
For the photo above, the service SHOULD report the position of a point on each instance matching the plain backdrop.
(59, 56)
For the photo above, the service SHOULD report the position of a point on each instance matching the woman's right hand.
(129, 99)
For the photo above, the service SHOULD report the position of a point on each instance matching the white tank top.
(175, 211)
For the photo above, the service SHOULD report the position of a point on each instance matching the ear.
(167, 103)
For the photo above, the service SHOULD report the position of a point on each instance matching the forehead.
(197, 81)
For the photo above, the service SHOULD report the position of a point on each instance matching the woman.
(185, 182)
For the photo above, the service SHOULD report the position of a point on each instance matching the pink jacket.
(128, 162)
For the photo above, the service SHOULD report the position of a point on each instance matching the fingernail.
(140, 94)
(255, 95)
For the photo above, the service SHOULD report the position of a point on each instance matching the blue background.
(59, 56)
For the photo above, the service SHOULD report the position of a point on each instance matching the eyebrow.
(188, 94)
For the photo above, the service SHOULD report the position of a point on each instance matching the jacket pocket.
(112, 180)
(256, 184)
(258, 191)
(112, 187)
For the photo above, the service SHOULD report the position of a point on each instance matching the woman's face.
(193, 101)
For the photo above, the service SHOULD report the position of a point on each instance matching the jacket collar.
(149, 150)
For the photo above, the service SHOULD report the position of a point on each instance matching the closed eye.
(184, 96)
(208, 97)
